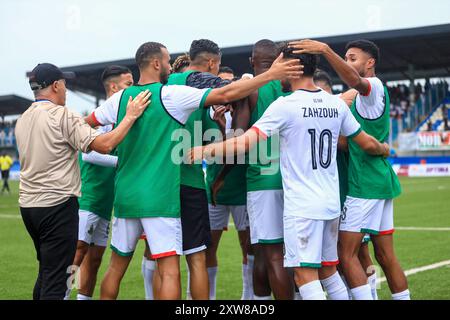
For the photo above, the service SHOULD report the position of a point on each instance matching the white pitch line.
(421, 269)
(422, 229)
(10, 216)
(231, 225)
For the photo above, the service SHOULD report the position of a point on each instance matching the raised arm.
(347, 73)
(237, 90)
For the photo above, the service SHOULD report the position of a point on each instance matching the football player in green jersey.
(323, 81)
(201, 232)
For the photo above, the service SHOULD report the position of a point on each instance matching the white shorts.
(265, 213)
(219, 217)
(372, 216)
(93, 229)
(164, 236)
(310, 243)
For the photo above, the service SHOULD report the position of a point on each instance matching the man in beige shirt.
(49, 137)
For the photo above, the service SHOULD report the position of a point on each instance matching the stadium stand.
(431, 58)
(438, 119)
(421, 110)
(11, 105)
(416, 81)
(7, 137)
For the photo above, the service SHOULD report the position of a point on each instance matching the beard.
(164, 77)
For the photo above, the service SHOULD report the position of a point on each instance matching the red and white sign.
(423, 170)
(433, 140)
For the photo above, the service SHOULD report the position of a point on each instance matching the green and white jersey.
(97, 186)
(234, 190)
(260, 175)
(192, 175)
(372, 177)
(148, 178)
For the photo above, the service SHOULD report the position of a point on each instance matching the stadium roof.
(13, 105)
(427, 49)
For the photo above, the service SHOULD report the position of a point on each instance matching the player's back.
(309, 140)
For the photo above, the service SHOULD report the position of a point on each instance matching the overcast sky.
(69, 33)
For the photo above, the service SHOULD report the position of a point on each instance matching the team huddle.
(303, 172)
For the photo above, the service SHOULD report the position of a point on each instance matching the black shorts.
(5, 174)
(194, 220)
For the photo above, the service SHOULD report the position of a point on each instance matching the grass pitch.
(424, 203)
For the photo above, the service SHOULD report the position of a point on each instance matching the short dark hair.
(309, 61)
(321, 75)
(266, 46)
(367, 46)
(147, 51)
(203, 46)
(114, 71)
(225, 69)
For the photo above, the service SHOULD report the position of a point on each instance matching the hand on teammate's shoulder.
(137, 106)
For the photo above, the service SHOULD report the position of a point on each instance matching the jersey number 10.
(325, 134)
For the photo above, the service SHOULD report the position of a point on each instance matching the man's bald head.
(264, 53)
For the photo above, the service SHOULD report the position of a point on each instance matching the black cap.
(44, 74)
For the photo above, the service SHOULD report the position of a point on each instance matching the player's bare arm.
(342, 144)
(105, 143)
(230, 147)
(237, 90)
(347, 73)
(371, 145)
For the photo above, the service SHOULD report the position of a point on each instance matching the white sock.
(250, 266)
(262, 298)
(212, 274)
(335, 287)
(373, 286)
(244, 295)
(247, 278)
(349, 293)
(147, 268)
(362, 293)
(188, 284)
(312, 291)
(404, 295)
(83, 297)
